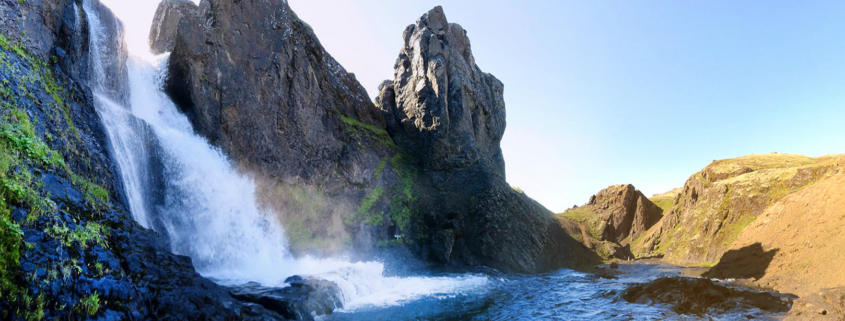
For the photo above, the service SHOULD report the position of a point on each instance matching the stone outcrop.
(425, 166)
(611, 220)
(165, 22)
(440, 107)
(255, 80)
(704, 297)
(624, 212)
(448, 117)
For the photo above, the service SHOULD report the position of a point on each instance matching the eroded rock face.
(624, 212)
(449, 116)
(440, 106)
(611, 220)
(702, 296)
(255, 81)
(165, 22)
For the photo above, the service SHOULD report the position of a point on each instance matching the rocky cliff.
(423, 169)
(612, 219)
(69, 249)
(448, 117)
(254, 80)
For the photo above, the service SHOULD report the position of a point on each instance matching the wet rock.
(319, 134)
(301, 300)
(703, 296)
(165, 22)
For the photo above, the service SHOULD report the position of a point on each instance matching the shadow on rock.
(745, 263)
(703, 296)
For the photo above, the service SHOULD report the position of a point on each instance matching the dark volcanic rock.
(165, 22)
(449, 116)
(77, 241)
(301, 300)
(255, 80)
(702, 296)
(441, 107)
(35, 23)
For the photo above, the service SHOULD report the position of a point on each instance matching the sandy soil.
(803, 239)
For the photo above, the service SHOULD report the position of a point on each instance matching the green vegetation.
(359, 129)
(663, 201)
(88, 305)
(402, 200)
(586, 216)
(24, 157)
(83, 235)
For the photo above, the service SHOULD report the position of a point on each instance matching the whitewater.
(206, 208)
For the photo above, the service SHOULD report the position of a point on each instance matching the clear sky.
(611, 92)
(641, 92)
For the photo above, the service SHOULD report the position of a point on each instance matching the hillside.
(611, 219)
(795, 246)
(719, 202)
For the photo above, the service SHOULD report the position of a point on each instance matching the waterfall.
(208, 210)
(186, 189)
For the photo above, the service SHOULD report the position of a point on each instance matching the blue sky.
(640, 92)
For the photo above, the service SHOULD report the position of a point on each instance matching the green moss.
(370, 200)
(83, 235)
(380, 169)
(88, 305)
(358, 129)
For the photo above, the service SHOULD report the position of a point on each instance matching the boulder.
(301, 300)
(703, 296)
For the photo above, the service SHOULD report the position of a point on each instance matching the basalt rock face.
(449, 117)
(69, 248)
(165, 22)
(441, 107)
(255, 81)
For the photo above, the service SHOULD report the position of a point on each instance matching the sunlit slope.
(719, 202)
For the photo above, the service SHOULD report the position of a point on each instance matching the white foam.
(209, 210)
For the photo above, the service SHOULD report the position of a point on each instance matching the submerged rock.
(703, 296)
(301, 300)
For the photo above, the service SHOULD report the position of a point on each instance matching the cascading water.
(183, 187)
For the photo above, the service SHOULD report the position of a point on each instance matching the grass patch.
(359, 129)
(83, 235)
(88, 305)
(664, 202)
